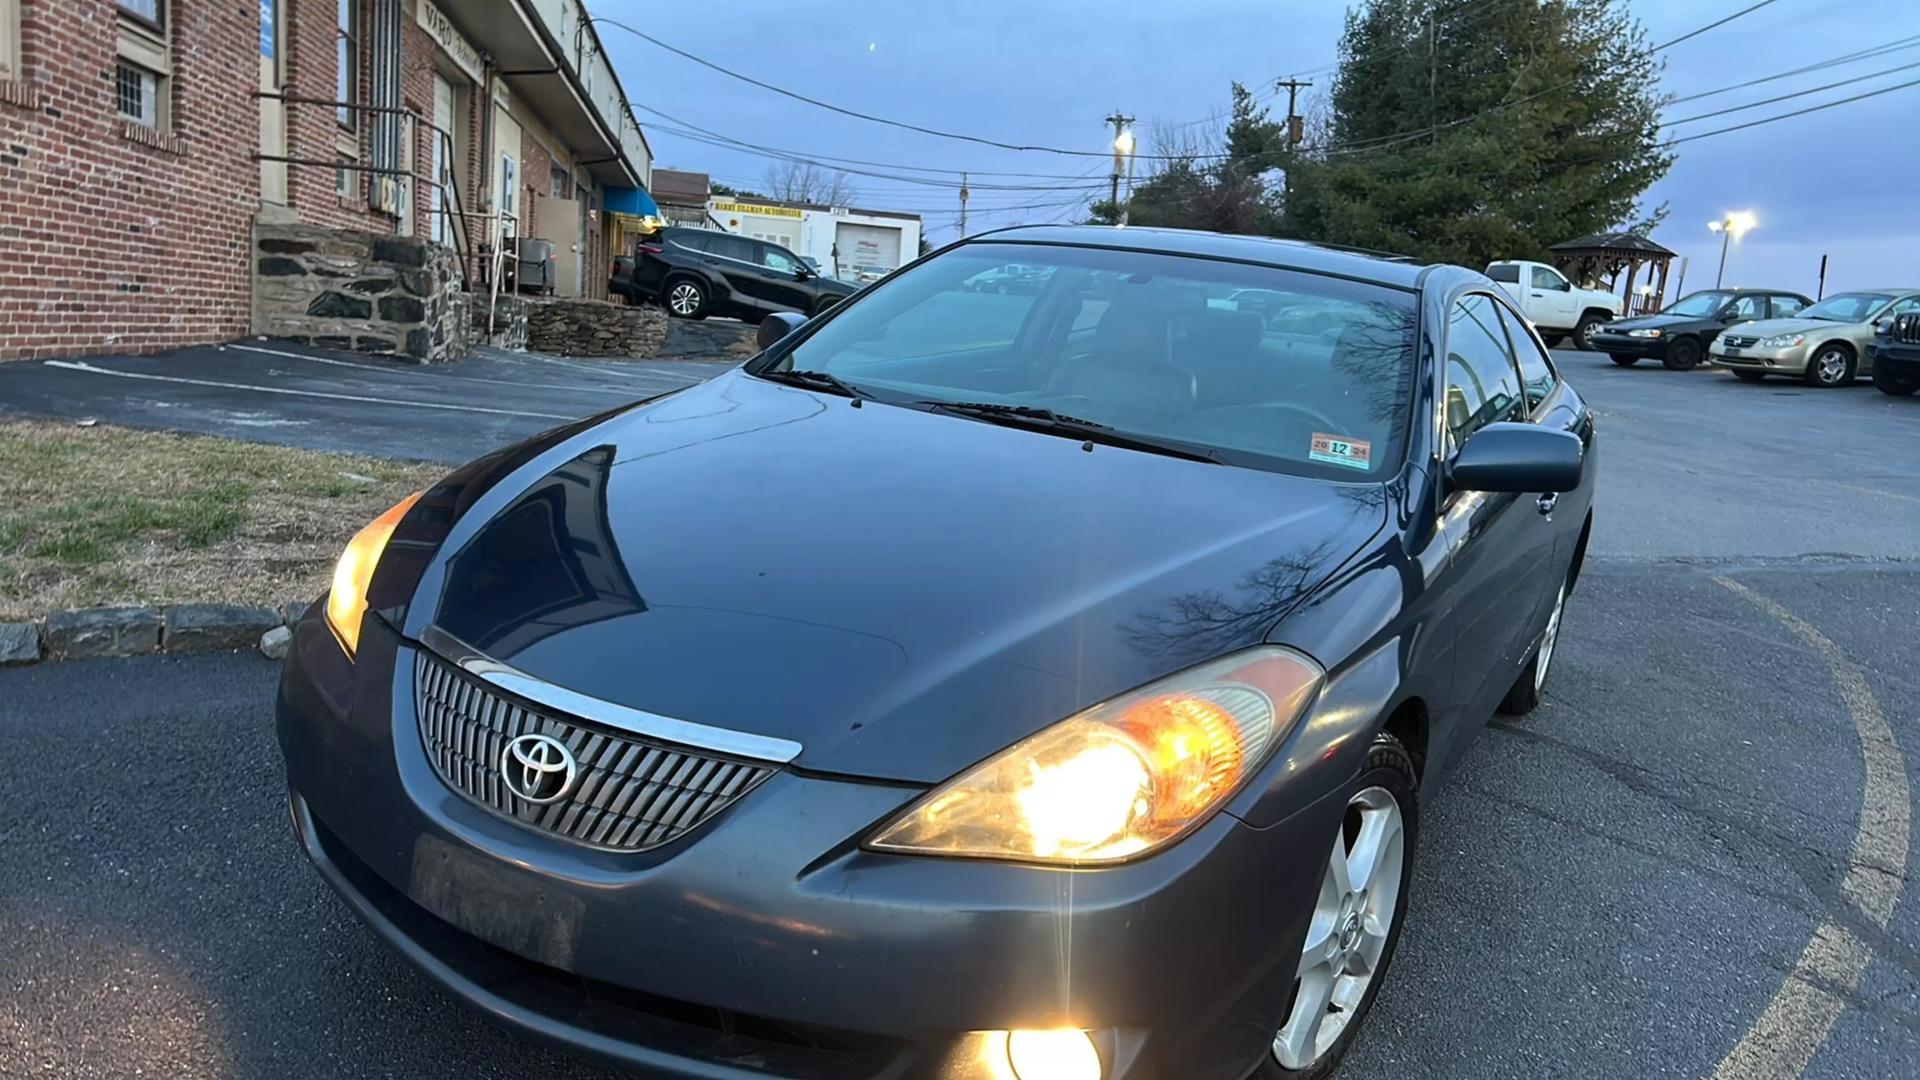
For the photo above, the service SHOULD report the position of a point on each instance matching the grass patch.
(101, 515)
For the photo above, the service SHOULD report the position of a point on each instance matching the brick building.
(142, 141)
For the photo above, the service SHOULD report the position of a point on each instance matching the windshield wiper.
(1034, 418)
(816, 380)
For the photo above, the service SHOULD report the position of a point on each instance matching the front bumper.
(767, 942)
(1622, 345)
(1898, 359)
(1791, 360)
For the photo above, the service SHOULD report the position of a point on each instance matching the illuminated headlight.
(347, 599)
(1781, 341)
(1643, 333)
(1123, 778)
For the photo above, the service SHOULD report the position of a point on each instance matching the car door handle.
(1548, 502)
(1541, 295)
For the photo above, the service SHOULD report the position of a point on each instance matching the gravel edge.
(90, 633)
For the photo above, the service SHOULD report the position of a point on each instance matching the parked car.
(1679, 335)
(1895, 352)
(1825, 345)
(699, 272)
(1021, 280)
(794, 718)
(1558, 308)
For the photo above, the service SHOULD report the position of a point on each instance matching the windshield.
(1853, 307)
(1699, 304)
(1258, 366)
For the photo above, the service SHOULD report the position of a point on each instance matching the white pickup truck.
(1557, 307)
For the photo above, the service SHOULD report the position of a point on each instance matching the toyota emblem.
(538, 769)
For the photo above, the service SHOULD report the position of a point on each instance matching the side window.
(1785, 307)
(1749, 307)
(1902, 307)
(775, 259)
(1536, 374)
(692, 241)
(731, 247)
(1545, 278)
(1483, 386)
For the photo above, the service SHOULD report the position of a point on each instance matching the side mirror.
(777, 326)
(1880, 324)
(1519, 457)
(802, 272)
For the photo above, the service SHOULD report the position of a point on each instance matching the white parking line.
(1786, 1035)
(650, 373)
(433, 375)
(91, 370)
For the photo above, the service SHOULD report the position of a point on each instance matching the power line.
(1796, 112)
(1689, 35)
(1896, 45)
(1789, 97)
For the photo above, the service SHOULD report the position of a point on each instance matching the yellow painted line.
(1783, 1040)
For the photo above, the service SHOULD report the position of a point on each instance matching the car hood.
(901, 592)
(1653, 322)
(1770, 327)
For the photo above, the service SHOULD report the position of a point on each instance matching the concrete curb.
(175, 629)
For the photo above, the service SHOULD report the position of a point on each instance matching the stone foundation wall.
(368, 292)
(594, 328)
(509, 319)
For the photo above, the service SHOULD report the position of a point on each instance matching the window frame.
(1445, 450)
(1564, 284)
(10, 41)
(1773, 304)
(351, 32)
(767, 249)
(1513, 320)
(1731, 313)
(145, 44)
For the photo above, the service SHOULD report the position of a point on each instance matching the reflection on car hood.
(1770, 327)
(901, 592)
(1650, 322)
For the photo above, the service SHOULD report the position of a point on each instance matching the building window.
(151, 12)
(142, 77)
(137, 93)
(9, 40)
(562, 183)
(348, 88)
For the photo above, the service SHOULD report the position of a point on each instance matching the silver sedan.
(1825, 345)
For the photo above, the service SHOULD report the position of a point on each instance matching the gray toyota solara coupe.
(1005, 686)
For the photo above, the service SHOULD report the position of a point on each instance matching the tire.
(1831, 365)
(821, 306)
(1526, 691)
(1623, 359)
(1748, 376)
(1552, 341)
(685, 298)
(1885, 381)
(1683, 354)
(1386, 779)
(1583, 332)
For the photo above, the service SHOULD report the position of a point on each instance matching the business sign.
(448, 37)
(755, 208)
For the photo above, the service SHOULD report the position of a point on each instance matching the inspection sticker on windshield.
(1353, 453)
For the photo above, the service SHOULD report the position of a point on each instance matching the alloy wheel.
(684, 298)
(1347, 939)
(1548, 639)
(1830, 366)
(1586, 332)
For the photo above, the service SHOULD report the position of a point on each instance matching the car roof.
(1379, 267)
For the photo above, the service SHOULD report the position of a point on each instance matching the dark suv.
(699, 272)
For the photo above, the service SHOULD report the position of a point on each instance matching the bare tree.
(797, 181)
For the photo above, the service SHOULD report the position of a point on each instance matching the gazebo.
(1609, 253)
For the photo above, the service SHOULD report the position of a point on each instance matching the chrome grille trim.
(1732, 342)
(632, 794)
(606, 713)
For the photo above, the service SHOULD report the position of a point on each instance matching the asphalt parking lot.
(1692, 860)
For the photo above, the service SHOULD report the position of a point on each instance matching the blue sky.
(1838, 182)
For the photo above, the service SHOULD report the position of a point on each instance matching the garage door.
(868, 252)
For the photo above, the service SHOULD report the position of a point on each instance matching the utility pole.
(1433, 79)
(1296, 127)
(1119, 123)
(963, 206)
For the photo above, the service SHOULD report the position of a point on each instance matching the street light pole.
(1731, 227)
(1726, 235)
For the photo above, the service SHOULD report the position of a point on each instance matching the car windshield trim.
(1873, 305)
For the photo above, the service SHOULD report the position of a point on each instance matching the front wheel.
(1885, 381)
(1683, 354)
(1830, 366)
(1355, 922)
(1583, 333)
(1748, 376)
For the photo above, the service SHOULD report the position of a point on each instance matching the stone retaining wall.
(594, 328)
(368, 292)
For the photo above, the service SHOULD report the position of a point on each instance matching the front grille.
(1733, 342)
(631, 793)
(1906, 329)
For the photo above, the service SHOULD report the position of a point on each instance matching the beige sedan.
(1824, 345)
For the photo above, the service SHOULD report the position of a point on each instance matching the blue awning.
(632, 200)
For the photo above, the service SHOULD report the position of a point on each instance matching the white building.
(856, 246)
